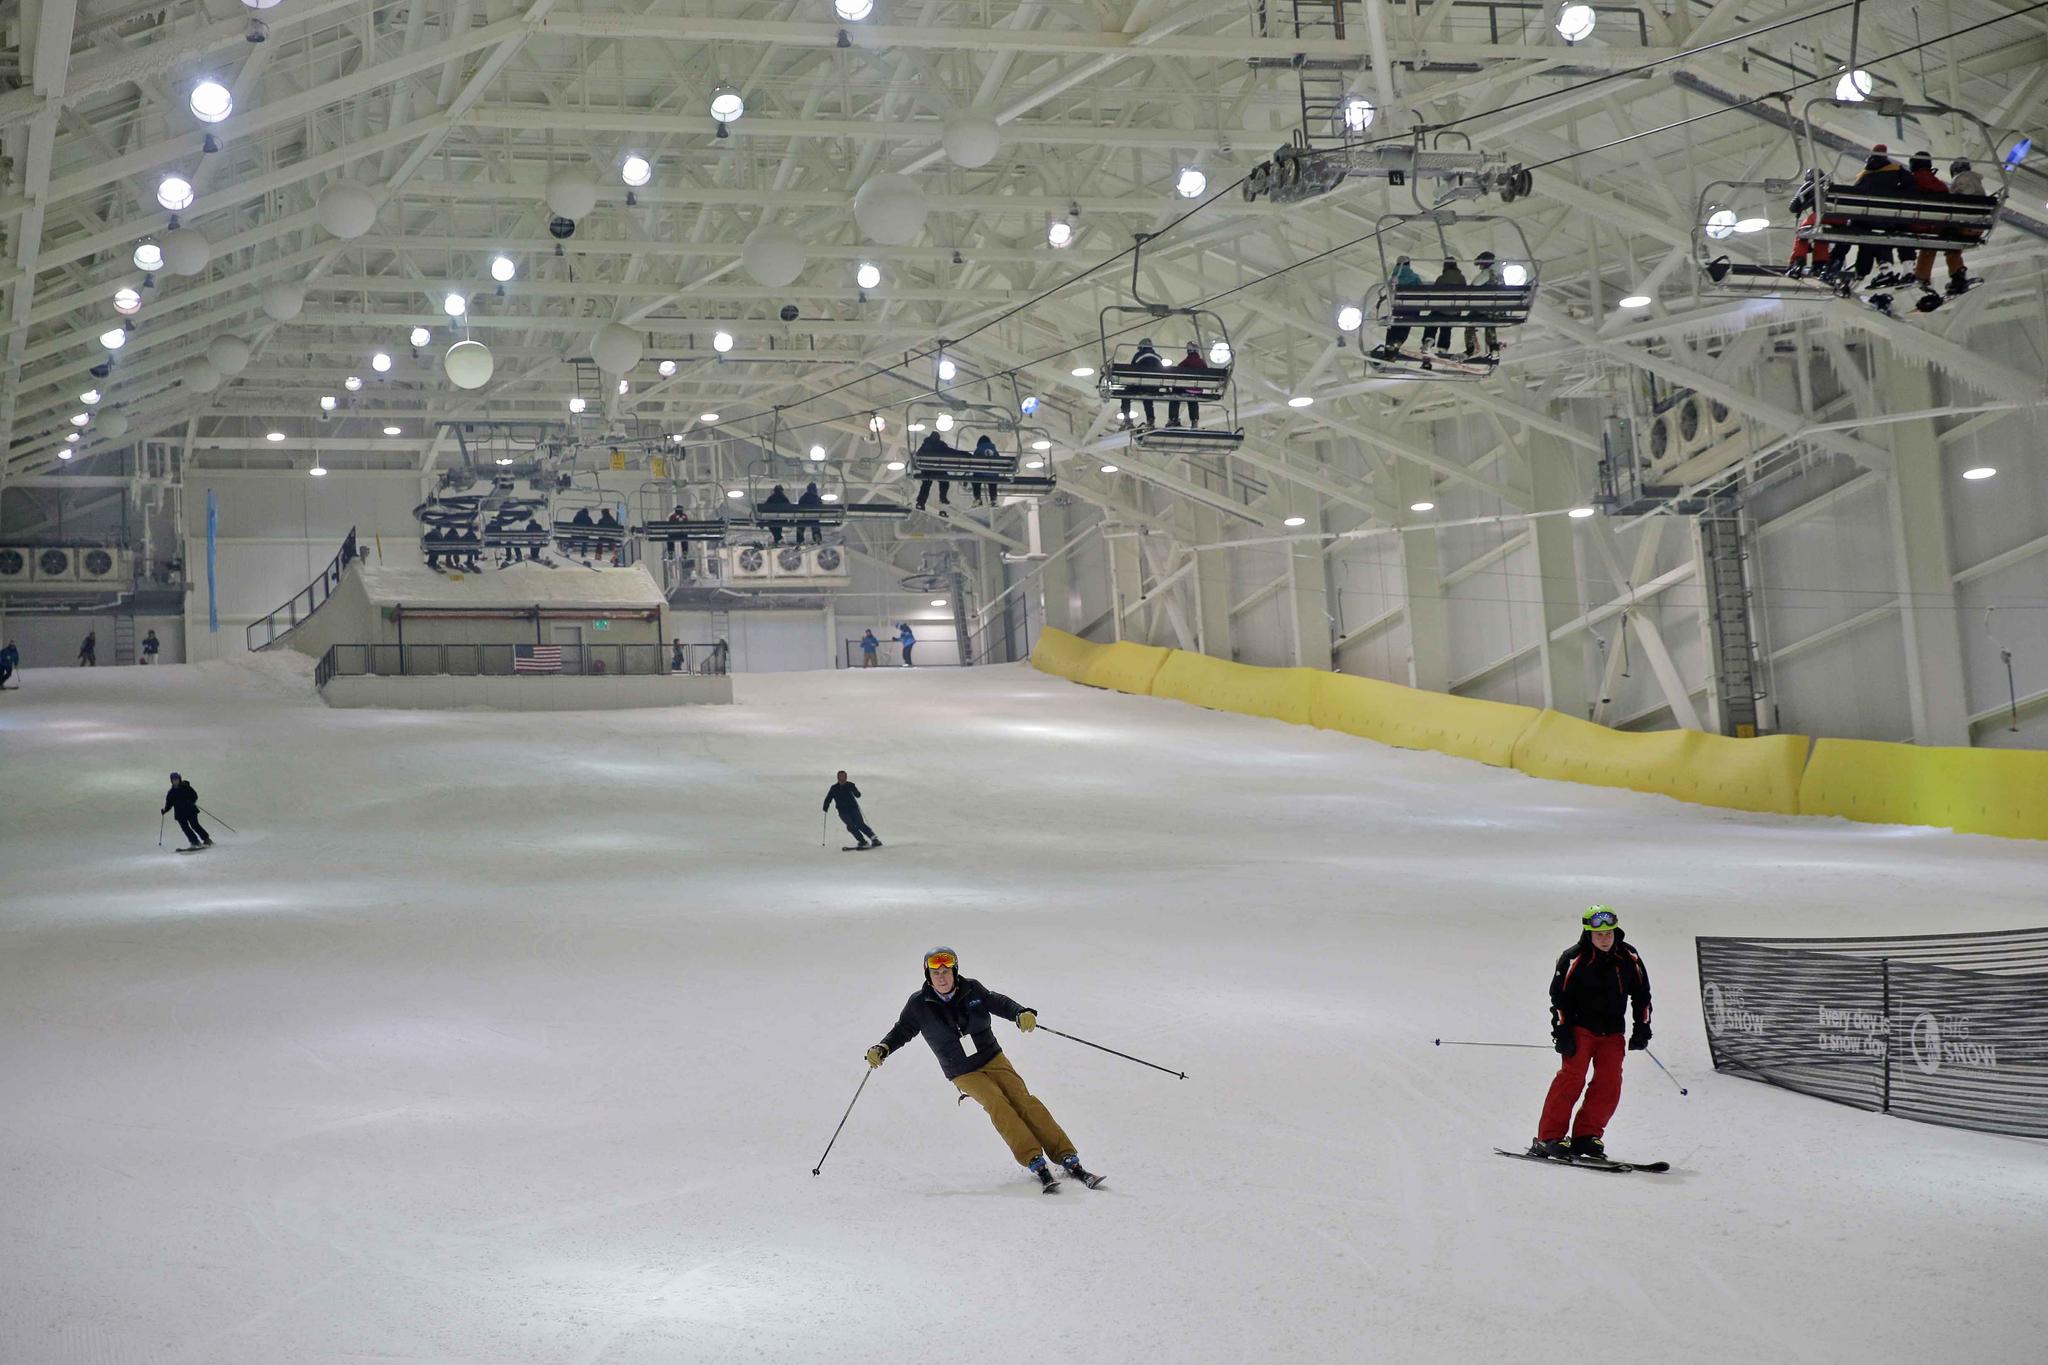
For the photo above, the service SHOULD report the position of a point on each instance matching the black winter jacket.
(1592, 989)
(946, 1023)
(183, 798)
(844, 795)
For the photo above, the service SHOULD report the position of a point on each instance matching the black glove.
(1640, 1039)
(1564, 1040)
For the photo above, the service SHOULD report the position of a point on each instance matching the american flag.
(536, 658)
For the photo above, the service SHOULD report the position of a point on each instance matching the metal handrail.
(314, 595)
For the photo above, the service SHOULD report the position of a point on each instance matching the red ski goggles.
(937, 961)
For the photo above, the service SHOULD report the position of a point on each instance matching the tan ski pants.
(1020, 1116)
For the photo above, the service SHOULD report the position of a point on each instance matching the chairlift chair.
(1506, 302)
(1739, 264)
(1122, 380)
(958, 462)
(1846, 216)
(762, 479)
(586, 538)
(659, 498)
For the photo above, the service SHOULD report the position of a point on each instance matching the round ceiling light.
(211, 102)
(127, 302)
(1575, 23)
(853, 11)
(454, 305)
(708, 418)
(79, 419)
(1059, 234)
(817, 452)
(394, 431)
(1294, 521)
(149, 256)
(1721, 224)
(1358, 114)
(274, 437)
(1300, 400)
(352, 383)
(90, 397)
(1219, 354)
(114, 338)
(503, 268)
(1041, 444)
(1082, 371)
(726, 104)
(1580, 513)
(1028, 464)
(1422, 507)
(1980, 472)
(468, 364)
(1109, 469)
(894, 466)
(722, 342)
(1853, 88)
(665, 369)
(1349, 318)
(1191, 183)
(576, 405)
(327, 402)
(867, 275)
(1636, 301)
(420, 336)
(944, 421)
(947, 369)
(636, 170)
(381, 363)
(1745, 226)
(174, 192)
(1514, 273)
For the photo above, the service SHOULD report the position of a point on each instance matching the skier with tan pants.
(956, 1014)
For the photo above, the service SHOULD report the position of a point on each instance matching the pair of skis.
(1593, 1163)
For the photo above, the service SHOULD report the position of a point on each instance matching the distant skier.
(868, 645)
(88, 652)
(182, 800)
(1596, 981)
(907, 639)
(150, 646)
(677, 663)
(954, 1014)
(846, 796)
(10, 659)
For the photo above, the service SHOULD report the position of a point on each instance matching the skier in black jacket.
(846, 796)
(183, 801)
(955, 1014)
(1591, 992)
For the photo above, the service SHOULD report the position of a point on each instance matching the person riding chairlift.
(1144, 358)
(1404, 273)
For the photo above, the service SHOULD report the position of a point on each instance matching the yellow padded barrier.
(1220, 685)
(1713, 770)
(1061, 654)
(1125, 667)
(1410, 718)
(1973, 791)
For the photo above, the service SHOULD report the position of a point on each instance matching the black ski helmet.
(174, 777)
(1959, 165)
(1921, 161)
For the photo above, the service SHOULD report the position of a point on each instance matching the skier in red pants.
(1597, 981)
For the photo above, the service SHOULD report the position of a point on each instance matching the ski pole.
(821, 829)
(1456, 1042)
(159, 829)
(842, 1120)
(1114, 1053)
(223, 824)
(1667, 1071)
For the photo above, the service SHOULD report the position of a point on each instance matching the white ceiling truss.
(456, 113)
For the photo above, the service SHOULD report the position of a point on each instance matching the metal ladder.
(1325, 82)
(1723, 554)
(124, 639)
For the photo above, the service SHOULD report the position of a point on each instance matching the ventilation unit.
(53, 564)
(791, 562)
(97, 565)
(828, 564)
(14, 564)
(749, 563)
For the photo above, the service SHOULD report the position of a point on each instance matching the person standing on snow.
(905, 638)
(846, 796)
(1595, 983)
(183, 801)
(868, 645)
(10, 659)
(954, 1014)
(150, 646)
(88, 653)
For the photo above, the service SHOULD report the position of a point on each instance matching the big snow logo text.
(1729, 1012)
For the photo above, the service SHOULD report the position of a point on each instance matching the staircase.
(1723, 552)
(124, 639)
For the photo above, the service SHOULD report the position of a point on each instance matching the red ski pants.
(1604, 1052)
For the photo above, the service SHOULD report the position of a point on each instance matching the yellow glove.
(876, 1053)
(1027, 1020)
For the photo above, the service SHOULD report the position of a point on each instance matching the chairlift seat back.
(1187, 440)
(506, 537)
(1472, 305)
(1850, 216)
(831, 514)
(682, 532)
(1124, 380)
(575, 530)
(964, 466)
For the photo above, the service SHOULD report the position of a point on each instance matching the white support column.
(1429, 630)
(1308, 582)
(1212, 587)
(1126, 583)
(1920, 550)
(1056, 579)
(1556, 485)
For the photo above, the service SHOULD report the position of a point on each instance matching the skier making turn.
(846, 796)
(183, 801)
(1596, 980)
(954, 1014)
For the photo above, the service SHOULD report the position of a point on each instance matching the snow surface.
(568, 585)
(510, 1038)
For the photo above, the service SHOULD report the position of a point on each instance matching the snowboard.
(1616, 1167)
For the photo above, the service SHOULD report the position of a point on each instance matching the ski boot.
(1080, 1172)
(1928, 302)
(1584, 1148)
(1959, 285)
(1882, 303)
(1048, 1183)
(1560, 1150)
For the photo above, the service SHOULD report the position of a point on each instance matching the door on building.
(570, 638)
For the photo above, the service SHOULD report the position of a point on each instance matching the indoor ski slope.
(514, 1038)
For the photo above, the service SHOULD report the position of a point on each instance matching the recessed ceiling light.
(380, 362)
(454, 305)
(722, 342)
(707, 418)
(726, 104)
(504, 459)
(352, 383)
(867, 275)
(174, 192)
(665, 369)
(114, 338)
(635, 171)
(211, 102)
(895, 465)
(575, 405)
(1083, 371)
(1636, 301)
(1109, 469)
(1980, 472)
(1300, 400)
(274, 437)
(149, 256)
(1295, 521)
(1422, 507)
(1580, 513)
(421, 336)
(394, 431)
